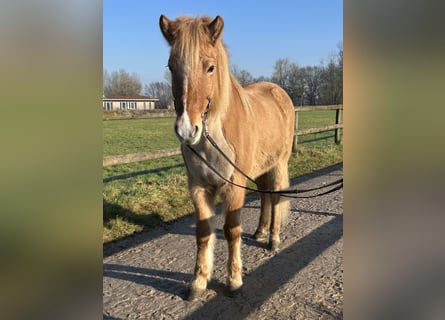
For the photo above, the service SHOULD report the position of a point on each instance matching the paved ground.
(146, 276)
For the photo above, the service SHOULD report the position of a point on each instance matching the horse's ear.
(215, 28)
(168, 28)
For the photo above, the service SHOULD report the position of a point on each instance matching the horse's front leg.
(232, 231)
(203, 201)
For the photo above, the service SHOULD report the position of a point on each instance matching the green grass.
(137, 135)
(313, 119)
(145, 194)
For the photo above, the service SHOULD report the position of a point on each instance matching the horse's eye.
(170, 68)
(210, 69)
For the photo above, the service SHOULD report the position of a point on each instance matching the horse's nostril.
(195, 131)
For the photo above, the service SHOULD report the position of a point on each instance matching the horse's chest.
(207, 172)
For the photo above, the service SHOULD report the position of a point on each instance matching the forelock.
(190, 36)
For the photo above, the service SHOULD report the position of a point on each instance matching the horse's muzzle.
(188, 134)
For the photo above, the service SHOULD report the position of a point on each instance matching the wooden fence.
(337, 126)
(148, 155)
(140, 156)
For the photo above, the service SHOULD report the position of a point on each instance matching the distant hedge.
(136, 114)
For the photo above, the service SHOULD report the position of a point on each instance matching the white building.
(129, 103)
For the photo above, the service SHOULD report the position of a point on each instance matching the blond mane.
(191, 38)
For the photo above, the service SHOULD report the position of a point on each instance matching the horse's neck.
(231, 109)
(236, 97)
(239, 101)
(225, 106)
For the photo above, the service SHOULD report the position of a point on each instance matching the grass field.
(137, 135)
(145, 194)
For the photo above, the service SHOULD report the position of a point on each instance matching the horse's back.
(268, 97)
(271, 104)
(274, 115)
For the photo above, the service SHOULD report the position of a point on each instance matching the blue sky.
(257, 33)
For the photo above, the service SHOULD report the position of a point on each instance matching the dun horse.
(254, 127)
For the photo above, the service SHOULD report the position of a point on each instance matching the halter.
(284, 193)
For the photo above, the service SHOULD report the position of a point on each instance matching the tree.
(296, 84)
(312, 85)
(121, 83)
(330, 88)
(291, 78)
(106, 79)
(160, 90)
(340, 70)
(332, 79)
(244, 77)
(281, 73)
(262, 79)
(312, 78)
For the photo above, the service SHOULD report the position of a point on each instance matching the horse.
(252, 125)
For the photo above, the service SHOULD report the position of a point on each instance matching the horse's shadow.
(173, 283)
(161, 280)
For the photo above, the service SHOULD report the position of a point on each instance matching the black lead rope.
(284, 193)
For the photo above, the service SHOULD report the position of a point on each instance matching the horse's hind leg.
(280, 208)
(262, 231)
(203, 201)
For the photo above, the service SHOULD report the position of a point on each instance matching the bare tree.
(340, 71)
(291, 78)
(313, 82)
(161, 91)
(312, 85)
(261, 79)
(244, 77)
(296, 84)
(121, 83)
(331, 89)
(281, 73)
(106, 79)
(168, 77)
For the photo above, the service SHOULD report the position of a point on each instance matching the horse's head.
(194, 60)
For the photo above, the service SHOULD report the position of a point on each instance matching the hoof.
(260, 237)
(233, 293)
(274, 245)
(195, 294)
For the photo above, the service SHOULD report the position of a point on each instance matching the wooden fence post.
(337, 138)
(294, 146)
